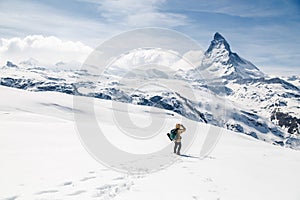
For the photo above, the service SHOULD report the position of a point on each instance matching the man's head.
(177, 125)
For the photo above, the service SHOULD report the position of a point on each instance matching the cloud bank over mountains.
(46, 49)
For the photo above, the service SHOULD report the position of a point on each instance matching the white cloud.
(151, 19)
(38, 18)
(130, 6)
(137, 13)
(256, 8)
(108, 17)
(47, 50)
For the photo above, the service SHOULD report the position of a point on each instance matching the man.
(179, 129)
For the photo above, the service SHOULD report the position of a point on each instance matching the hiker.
(179, 129)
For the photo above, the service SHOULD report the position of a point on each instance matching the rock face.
(253, 104)
(285, 120)
(11, 64)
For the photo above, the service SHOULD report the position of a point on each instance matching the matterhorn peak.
(218, 42)
(221, 63)
(218, 36)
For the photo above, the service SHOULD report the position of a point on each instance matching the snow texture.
(42, 158)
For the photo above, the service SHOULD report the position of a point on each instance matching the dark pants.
(177, 147)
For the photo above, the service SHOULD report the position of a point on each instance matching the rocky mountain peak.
(11, 64)
(218, 42)
(221, 63)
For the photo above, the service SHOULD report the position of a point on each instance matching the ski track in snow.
(94, 187)
(92, 190)
(11, 198)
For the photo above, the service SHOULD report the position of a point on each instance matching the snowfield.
(42, 157)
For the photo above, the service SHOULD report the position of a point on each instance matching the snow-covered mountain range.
(230, 91)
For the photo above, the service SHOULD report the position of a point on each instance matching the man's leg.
(175, 147)
(179, 147)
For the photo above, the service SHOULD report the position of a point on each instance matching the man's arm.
(183, 128)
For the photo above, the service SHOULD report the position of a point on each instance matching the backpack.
(173, 134)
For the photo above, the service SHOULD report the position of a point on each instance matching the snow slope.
(42, 158)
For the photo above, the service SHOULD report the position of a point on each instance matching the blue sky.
(264, 32)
